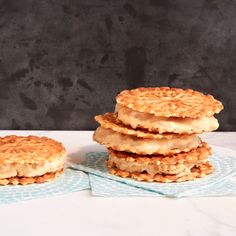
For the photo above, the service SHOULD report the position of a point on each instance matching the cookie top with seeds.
(170, 102)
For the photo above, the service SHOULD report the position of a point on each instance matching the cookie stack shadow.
(152, 135)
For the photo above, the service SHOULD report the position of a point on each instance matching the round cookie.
(31, 159)
(110, 121)
(159, 164)
(145, 146)
(30, 180)
(170, 102)
(168, 110)
(196, 172)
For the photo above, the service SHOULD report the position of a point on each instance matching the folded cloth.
(105, 187)
(70, 181)
(215, 184)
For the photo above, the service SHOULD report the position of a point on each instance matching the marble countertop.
(81, 214)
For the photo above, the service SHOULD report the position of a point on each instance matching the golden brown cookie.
(27, 158)
(170, 102)
(145, 146)
(162, 124)
(110, 121)
(159, 164)
(196, 172)
(30, 180)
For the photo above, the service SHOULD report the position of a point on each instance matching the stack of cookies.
(152, 135)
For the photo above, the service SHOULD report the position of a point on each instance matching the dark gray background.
(62, 62)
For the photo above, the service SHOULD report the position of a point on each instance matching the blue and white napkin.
(219, 183)
(70, 181)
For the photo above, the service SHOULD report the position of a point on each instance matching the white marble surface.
(81, 214)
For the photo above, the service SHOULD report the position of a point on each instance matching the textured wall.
(62, 62)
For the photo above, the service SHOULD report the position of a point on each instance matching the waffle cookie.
(159, 164)
(110, 121)
(31, 180)
(145, 146)
(152, 135)
(31, 159)
(196, 172)
(168, 110)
